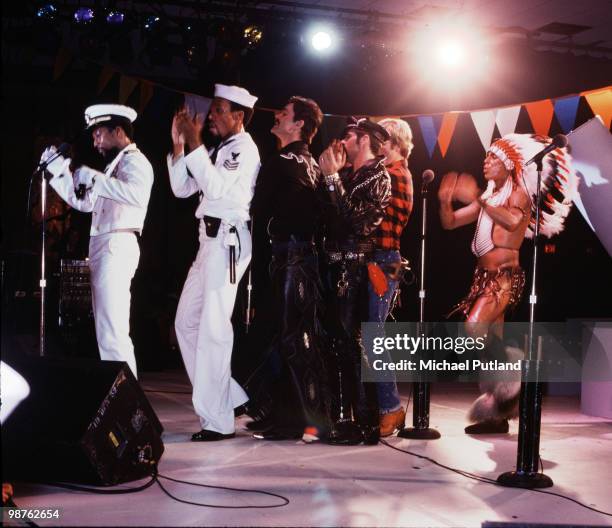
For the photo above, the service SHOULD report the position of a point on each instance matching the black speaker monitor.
(85, 421)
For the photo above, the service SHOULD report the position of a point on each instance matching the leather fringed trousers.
(303, 396)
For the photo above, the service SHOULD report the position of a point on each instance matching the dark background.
(574, 281)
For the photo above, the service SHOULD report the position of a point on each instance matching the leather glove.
(58, 165)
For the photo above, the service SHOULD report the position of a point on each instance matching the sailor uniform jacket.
(117, 198)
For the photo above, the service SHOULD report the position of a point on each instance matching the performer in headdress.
(505, 216)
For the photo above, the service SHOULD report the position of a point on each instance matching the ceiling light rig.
(84, 15)
(253, 36)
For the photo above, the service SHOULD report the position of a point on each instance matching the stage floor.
(353, 486)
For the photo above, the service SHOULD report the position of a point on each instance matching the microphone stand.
(40, 170)
(421, 389)
(247, 320)
(530, 402)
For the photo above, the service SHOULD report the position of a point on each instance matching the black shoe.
(260, 424)
(371, 434)
(488, 427)
(344, 433)
(278, 434)
(210, 436)
(241, 409)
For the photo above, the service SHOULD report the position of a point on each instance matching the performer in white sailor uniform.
(225, 179)
(118, 200)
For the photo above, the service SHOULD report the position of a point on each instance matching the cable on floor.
(284, 500)
(155, 476)
(488, 480)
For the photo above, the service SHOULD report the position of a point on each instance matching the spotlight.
(84, 15)
(442, 48)
(321, 41)
(451, 54)
(115, 18)
(46, 12)
(252, 35)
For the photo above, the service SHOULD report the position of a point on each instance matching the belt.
(350, 247)
(215, 220)
(127, 230)
(339, 256)
(233, 239)
(275, 239)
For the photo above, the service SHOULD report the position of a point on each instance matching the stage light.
(46, 12)
(252, 36)
(84, 15)
(115, 18)
(454, 48)
(151, 22)
(451, 54)
(321, 41)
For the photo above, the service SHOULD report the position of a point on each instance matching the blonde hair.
(401, 134)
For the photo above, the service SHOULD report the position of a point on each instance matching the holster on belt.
(212, 225)
(377, 279)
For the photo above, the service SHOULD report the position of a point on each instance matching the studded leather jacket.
(357, 203)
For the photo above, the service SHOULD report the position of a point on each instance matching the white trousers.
(13, 390)
(113, 259)
(204, 329)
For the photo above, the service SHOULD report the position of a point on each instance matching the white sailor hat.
(99, 113)
(236, 94)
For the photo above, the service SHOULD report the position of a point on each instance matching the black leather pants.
(347, 290)
(302, 396)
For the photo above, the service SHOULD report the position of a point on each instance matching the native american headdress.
(559, 183)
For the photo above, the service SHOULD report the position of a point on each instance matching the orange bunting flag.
(106, 74)
(62, 59)
(126, 87)
(541, 114)
(601, 104)
(146, 92)
(447, 128)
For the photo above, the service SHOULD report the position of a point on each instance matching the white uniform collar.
(111, 166)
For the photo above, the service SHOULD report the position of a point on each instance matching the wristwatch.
(330, 181)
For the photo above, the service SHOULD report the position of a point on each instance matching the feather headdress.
(559, 183)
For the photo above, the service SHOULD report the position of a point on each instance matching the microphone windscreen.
(64, 149)
(560, 141)
(428, 176)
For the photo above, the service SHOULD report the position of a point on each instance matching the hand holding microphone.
(53, 160)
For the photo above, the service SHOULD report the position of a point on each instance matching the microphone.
(559, 141)
(428, 176)
(62, 150)
(426, 179)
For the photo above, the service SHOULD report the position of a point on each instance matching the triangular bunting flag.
(446, 131)
(331, 128)
(601, 104)
(376, 119)
(146, 92)
(197, 104)
(565, 110)
(62, 59)
(484, 122)
(126, 87)
(541, 114)
(506, 119)
(428, 130)
(106, 74)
